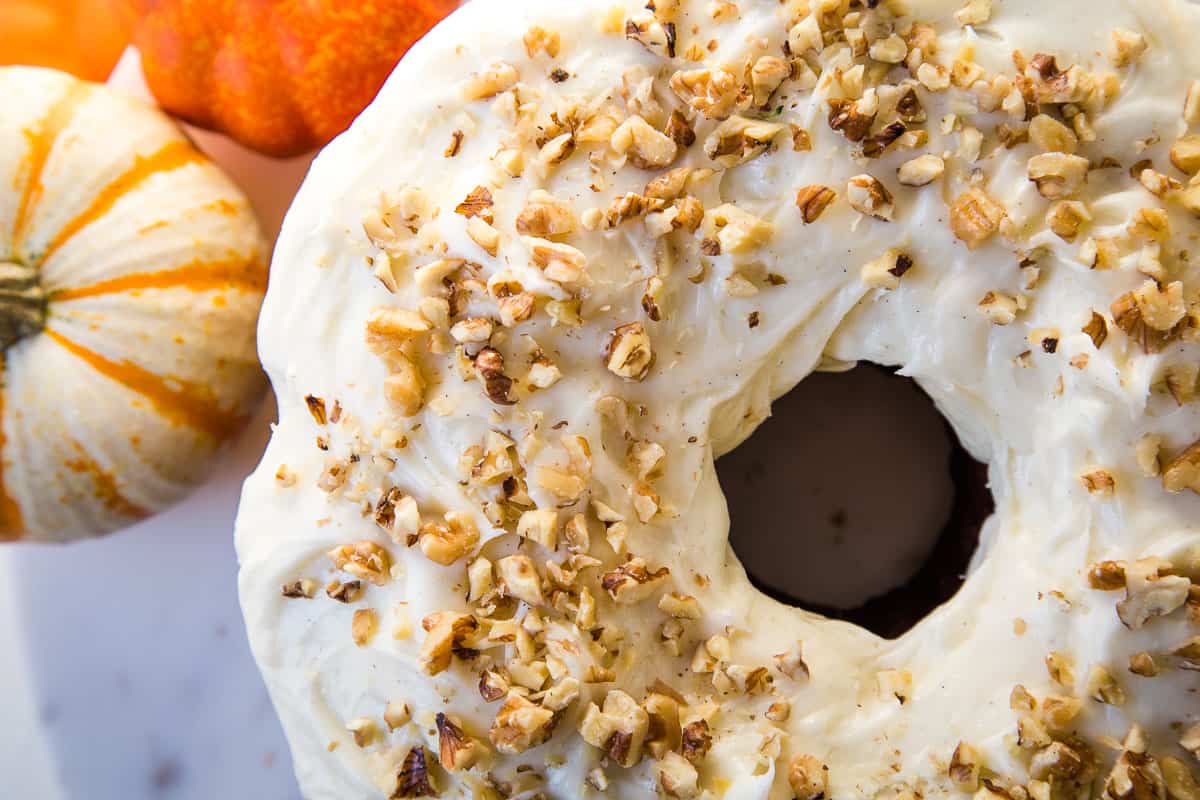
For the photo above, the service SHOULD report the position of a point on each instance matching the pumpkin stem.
(22, 303)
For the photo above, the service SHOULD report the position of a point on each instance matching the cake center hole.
(856, 501)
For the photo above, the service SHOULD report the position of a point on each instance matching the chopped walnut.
(520, 579)
(456, 750)
(541, 526)
(885, 272)
(629, 354)
(1128, 47)
(1056, 761)
(1058, 174)
(1185, 154)
(489, 364)
(633, 582)
(619, 728)
(813, 200)
(560, 263)
(347, 592)
(364, 626)
(445, 542)
(738, 140)
(677, 777)
(520, 725)
(478, 203)
(413, 778)
(975, 12)
(1183, 471)
(1146, 453)
(852, 118)
(679, 606)
(975, 217)
(1177, 776)
(1050, 136)
(767, 74)
(538, 39)
(1067, 218)
(1099, 482)
(444, 632)
(1191, 104)
(545, 217)
(472, 330)
(869, 196)
(1002, 308)
(807, 777)
(696, 740)
(1152, 224)
(1143, 664)
(889, 50)
(304, 588)
(655, 36)
(1190, 740)
(396, 715)
(365, 559)
(1058, 713)
(713, 93)
(645, 147)
(1136, 774)
(1107, 576)
(483, 234)
(1150, 594)
(490, 82)
(1103, 687)
(965, 767)
(921, 170)
(1058, 664)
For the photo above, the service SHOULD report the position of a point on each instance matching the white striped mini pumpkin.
(131, 273)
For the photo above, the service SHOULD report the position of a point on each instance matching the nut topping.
(629, 353)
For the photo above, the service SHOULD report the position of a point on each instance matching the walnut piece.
(413, 778)
(630, 354)
(366, 560)
(445, 542)
(619, 727)
(869, 196)
(456, 750)
(975, 217)
(813, 200)
(444, 632)
(885, 272)
(807, 777)
(922, 170)
(633, 582)
(1183, 471)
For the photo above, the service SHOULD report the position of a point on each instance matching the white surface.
(138, 680)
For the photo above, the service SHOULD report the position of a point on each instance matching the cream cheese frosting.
(505, 366)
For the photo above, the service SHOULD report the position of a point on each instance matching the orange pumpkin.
(83, 37)
(281, 76)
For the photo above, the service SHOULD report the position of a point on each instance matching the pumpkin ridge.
(170, 156)
(248, 275)
(105, 485)
(41, 144)
(12, 521)
(190, 404)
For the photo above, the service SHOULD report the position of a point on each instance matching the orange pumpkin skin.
(83, 37)
(280, 76)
